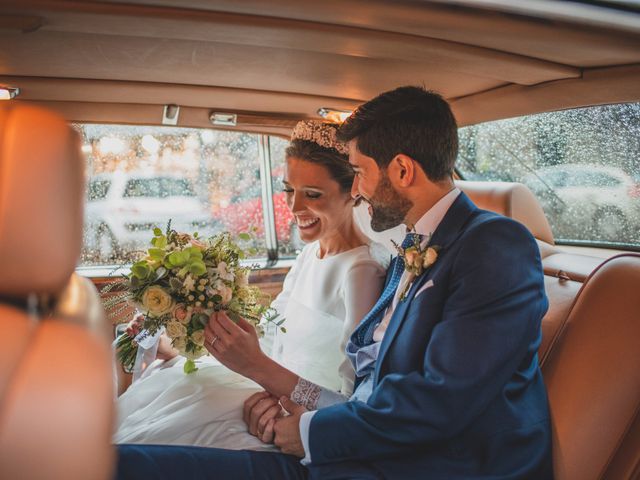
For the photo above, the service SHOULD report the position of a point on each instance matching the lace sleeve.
(313, 397)
(306, 394)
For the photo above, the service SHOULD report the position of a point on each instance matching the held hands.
(287, 428)
(275, 422)
(259, 413)
(235, 345)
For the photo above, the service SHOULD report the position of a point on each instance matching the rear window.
(202, 180)
(98, 190)
(158, 188)
(582, 164)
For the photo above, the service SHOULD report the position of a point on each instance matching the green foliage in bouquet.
(181, 280)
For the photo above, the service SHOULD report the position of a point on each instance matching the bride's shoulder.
(374, 253)
(379, 254)
(309, 250)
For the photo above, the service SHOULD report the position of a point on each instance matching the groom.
(448, 384)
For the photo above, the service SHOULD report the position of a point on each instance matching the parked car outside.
(123, 208)
(603, 198)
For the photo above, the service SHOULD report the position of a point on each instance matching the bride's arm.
(279, 304)
(361, 290)
(236, 346)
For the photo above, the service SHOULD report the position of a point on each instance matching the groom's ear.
(402, 170)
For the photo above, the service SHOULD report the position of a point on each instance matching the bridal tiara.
(322, 133)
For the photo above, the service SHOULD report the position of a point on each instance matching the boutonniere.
(416, 259)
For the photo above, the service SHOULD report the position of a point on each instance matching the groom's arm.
(490, 320)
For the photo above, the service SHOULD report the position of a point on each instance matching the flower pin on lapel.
(416, 259)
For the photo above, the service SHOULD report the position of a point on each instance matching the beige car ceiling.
(274, 62)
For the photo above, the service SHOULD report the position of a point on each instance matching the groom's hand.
(287, 429)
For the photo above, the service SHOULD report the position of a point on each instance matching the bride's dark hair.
(335, 162)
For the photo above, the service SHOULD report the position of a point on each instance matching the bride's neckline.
(317, 256)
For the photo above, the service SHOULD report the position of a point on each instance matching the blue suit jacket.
(458, 390)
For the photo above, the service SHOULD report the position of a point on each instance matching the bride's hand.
(165, 348)
(235, 345)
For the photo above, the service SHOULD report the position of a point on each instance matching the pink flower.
(198, 244)
(181, 314)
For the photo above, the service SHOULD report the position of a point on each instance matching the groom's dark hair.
(408, 120)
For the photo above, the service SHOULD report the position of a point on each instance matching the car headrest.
(41, 201)
(513, 200)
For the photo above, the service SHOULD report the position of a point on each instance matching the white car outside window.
(581, 194)
(123, 208)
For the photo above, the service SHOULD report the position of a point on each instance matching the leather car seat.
(593, 377)
(513, 200)
(590, 352)
(56, 408)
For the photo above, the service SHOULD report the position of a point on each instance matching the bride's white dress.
(322, 301)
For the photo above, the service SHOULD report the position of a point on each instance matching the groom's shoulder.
(486, 226)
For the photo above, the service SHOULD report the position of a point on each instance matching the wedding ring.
(213, 340)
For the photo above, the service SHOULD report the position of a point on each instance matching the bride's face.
(320, 209)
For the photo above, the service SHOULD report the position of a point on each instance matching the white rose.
(430, 257)
(243, 278)
(197, 337)
(226, 293)
(410, 256)
(189, 283)
(176, 329)
(180, 344)
(156, 301)
(224, 273)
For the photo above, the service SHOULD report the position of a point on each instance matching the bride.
(335, 281)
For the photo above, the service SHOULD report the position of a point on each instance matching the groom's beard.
(388, 207)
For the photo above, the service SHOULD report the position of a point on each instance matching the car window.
(176, 187)
(582, 164)
(98, 190)
(142, 187)
(202, 180)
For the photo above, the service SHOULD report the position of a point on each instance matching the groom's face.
(387, 207)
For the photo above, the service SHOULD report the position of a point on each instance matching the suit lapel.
(445, 235)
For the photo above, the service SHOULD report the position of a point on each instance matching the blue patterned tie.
(364, 334)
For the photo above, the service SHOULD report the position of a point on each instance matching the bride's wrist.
(257, 371)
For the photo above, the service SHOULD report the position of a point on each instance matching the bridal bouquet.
(180, 282)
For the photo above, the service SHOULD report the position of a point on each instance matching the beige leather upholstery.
(593, 377)
(512, 200)
(590, 352)
(79, 302)
(41, 199)
(561, 294)
(570, 265)
(56, 408)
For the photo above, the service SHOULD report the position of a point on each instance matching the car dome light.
(9, 93)
(334, 115)
(225, 119)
